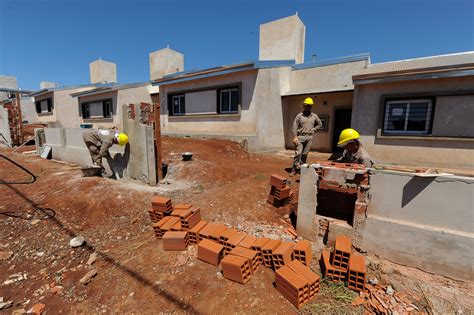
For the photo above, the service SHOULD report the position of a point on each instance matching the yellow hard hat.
(308, 101)
(347, 135)
(122, 139)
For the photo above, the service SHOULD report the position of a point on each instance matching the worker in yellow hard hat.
(305, 125)
(353, 150)
(98, 141)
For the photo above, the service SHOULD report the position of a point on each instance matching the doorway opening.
(342, 120)
(336, 205)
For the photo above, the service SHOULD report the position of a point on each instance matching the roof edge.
(334, 61)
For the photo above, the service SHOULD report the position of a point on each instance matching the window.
(177, 105)
(408, 116)
(44, 106)
(229, 100)
(97, 109)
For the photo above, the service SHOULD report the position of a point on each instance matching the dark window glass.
(417, 117)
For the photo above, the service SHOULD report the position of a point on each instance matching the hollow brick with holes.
(182, 206)
(194, 232)
(191, 219)
(356, 276)
(306, 273)
(248, 241)
(158, 227)
(216, 232)
(282, 255)
(233, 241)
(329, 271)
(205, 232)
(210, 252)
(226, 235)
(267, 252)
(249, 254)
(342, 252)
(236, 268)
(278, 181)
(292, 286)
(302, 252)
(257, 246)
(175, 240)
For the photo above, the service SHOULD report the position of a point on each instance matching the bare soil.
(135, 275)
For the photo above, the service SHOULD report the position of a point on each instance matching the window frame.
(171, 105)
(85, 109)
(408, 101)
(49, 101)
(219, 99)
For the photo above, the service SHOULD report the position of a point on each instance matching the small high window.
(409, 117)
(177, 106)
(44, 106)
(97, 109)
(229, 100)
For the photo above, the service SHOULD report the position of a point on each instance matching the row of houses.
(415, 111)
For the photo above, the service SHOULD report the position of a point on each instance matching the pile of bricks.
(377, 301)
(343, 265)
(280, 192)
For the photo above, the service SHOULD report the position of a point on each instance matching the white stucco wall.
(435, 150)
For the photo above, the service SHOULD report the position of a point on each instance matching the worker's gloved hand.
(296, 141)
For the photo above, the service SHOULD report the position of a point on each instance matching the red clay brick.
(236, 268)
(248, 241)
(306, 273)
(226, 235)
(302, 252)
(233, 241)
(169, 223)
(194, 232)
(175, 240)
(292, 286)
(342, 252)
(157, 227)
(249, 254)
(161, 204)
(210, 252)
(182, 206)
(205, 232)
(278, 181)
(357, 273)
(328, 270)
(176, 227)
(282, 254)
(180, 213)
(257, 246)
(282, 194)
(267, 252)
(192, 219)
(216, 232)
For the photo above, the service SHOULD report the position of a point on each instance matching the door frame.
(333, 123)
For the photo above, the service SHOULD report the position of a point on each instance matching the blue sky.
(56, 40)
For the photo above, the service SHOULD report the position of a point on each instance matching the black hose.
(23, 168)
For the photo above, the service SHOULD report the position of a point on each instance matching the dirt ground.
(134, 274)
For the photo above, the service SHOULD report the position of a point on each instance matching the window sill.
(190, 116)
(45, 114)
(420, 137)
(91, 120)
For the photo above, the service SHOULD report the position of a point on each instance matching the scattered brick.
(342, 252)
(168, 225)
(161, 204)
(278, 181)
(257, 246)
(216, 232)
(282, 255)
(226, 235)
(267, 252)
(210, 252)
(157, 227)
(248, 241)
(302, 252)
(236, 268)
(177, 227)
(292, 286)
(329, 271)
(192, 218)
(205, 232)
(175, 240)
(249, 254)
(306, 273)
(357, 273)
(233, 241)
(194, 232)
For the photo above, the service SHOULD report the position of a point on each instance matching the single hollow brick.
(180, 213)
(216, 232)
(192, 219)
(278, 181)
(182, 206)
(194, 232)
(267, 252)
(236, 268)
(342, 252)
(210, 252)
(205, 232)
(157, 227)
(226, 235)
(176, 227)
(174, 240)
(292, 286)
(257, 246)
(282, 194)
(282, 255)
(161, 201)
(169, 223)
(329, 271)
(302, 252)
(249, 254)
(248, 241)
(306, 273)
(233, 241)
(357, 273)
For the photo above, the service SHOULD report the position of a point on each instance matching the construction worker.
(305, 125)
(353, 150)
(98, 141)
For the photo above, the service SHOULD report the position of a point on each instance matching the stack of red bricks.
(344, 265)
(280, 192)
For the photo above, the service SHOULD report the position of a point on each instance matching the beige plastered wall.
(440, 149)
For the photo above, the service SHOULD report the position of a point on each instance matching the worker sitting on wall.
(99, 141)
(305, 125)
(353, 150)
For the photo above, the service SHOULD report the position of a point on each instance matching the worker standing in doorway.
(98, 141)
(353, 150)
(305, 125)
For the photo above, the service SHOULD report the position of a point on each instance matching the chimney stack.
(102, 71)
(48, 85)
(165, 61)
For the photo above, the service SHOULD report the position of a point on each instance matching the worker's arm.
(342, 158)
(104, 148)
(318, 124)
(294, 130)
(366, 161)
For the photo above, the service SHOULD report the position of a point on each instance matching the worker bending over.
(98, 141)
(353, 150)
(305, 125)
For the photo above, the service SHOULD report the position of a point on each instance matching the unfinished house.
(417, 111)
